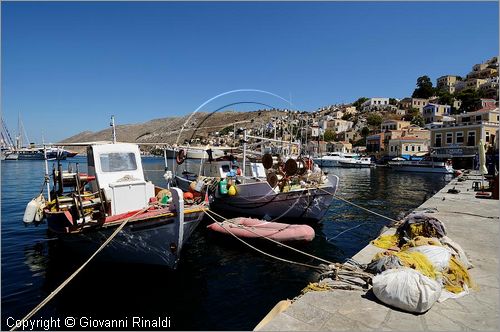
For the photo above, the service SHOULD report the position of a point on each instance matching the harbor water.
(220, 284)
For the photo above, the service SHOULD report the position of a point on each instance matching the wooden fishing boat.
(84, 209)
(254, 229)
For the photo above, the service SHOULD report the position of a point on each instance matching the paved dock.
(471, 222)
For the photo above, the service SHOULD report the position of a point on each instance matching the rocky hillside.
(167, 130)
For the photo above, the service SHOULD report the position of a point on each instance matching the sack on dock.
(457, 251)
(406, 289)
(383, 263)
(420, 224)
(437, 255)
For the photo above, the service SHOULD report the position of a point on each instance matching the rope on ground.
(72, 276)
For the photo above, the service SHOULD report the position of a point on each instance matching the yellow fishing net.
(420, 229)
(414, 260)
(456, 276)
(421, 241)
(386, 241)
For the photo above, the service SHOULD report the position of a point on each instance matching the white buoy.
(34, 209)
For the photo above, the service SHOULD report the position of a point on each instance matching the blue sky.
(67, 67)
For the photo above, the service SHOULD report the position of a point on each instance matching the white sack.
(406, 289)
(457, 251)
(438, 256)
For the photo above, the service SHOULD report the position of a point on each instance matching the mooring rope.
(74, 274)
(356, 205)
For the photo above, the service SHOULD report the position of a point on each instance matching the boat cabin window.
(116, 162)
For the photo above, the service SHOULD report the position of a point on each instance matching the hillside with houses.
(446, 119)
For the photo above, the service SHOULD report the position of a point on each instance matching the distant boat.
(363, 162)
(421, 166)
(16, 151)
(332, 159)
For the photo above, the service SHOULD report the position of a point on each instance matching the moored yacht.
(333, 159)
(426, 165)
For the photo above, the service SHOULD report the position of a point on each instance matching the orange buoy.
(188, 195)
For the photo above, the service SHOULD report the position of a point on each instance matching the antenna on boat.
(112, 124)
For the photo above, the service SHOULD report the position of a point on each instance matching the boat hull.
(326, 162)
(151, 242)
(355, 165)
(421, 169)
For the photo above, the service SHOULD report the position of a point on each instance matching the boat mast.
(112, 124)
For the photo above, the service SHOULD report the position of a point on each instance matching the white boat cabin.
(118, 170)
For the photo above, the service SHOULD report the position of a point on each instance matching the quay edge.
(471, 222)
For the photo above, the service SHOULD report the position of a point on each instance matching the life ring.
(181, 156)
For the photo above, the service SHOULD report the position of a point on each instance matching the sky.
(68, 66)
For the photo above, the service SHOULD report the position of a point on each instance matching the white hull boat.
(363, 162)
(422, 166)
(333, 159)
(83, 210)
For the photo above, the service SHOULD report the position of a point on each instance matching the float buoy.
(181, 156)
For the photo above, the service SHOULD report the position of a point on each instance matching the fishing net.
(421, 241)
(386, 241)
(456, 276)
(414, 260)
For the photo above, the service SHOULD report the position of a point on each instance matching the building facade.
(435, 112)
(408, 146)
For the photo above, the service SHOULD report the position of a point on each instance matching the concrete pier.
(473, 223)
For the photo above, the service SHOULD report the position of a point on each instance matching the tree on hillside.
(347, 116)
(365, 132)
(393, 101)
(424, 88)
(411, 114)
(418, 120)
(374, 119)
(360, 101)
(470, 99)
(329, 135)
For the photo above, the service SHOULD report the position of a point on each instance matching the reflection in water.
(219, 284)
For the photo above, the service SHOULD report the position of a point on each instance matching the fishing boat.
(272, 187)
(426, 165)
(84, 209)
(363, 162)
(333, 159)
